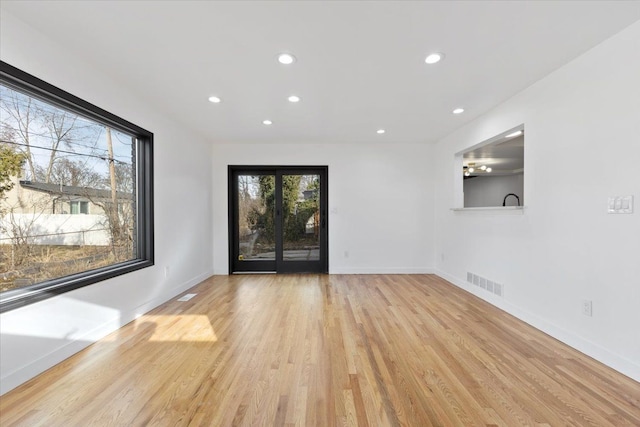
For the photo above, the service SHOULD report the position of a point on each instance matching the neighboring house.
(59, 214)
(309, 194)
(48, 198)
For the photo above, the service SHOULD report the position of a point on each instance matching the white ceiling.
(360, 64)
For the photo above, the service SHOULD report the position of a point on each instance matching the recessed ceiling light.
(516, 133)
(294, 98)
(267, 122)
(286, 58)
(214, 99)
(458, 111)
(489, 170)
(380, 131)
(434, 58)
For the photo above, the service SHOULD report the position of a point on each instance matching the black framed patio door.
(278, 219)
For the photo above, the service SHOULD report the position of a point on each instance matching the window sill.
(509, 210)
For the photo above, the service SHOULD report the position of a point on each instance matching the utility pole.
(115, 220)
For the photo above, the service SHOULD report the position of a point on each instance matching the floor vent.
(486, 284)
(186, 297)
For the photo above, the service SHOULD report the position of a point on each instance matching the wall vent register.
(486, 284)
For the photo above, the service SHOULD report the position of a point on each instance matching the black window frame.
(144, 235)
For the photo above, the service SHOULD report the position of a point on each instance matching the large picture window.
(75, 192)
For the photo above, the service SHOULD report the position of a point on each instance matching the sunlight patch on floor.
(181, 327)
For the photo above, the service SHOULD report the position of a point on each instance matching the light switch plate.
(620, 205)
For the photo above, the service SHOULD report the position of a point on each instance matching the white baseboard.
(381, 270)
(366, 270)
(24, 373)
(615, 361)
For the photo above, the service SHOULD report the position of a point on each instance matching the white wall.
(565, 247)
(380, 202)
(490, 190)
(40, 335)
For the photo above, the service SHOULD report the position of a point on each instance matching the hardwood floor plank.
(305, 350)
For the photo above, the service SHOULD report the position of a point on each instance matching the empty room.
(319, 213)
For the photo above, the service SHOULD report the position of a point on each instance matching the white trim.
(601, 354)
(348, 270)
(381, 270)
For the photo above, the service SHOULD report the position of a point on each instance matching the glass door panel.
(256, 225)
(301, 217)
(252, 220)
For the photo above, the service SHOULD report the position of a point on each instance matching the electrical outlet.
(587, 307)
(346, 254)
(166, 272)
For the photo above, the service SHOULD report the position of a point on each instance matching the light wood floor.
(381, 350)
